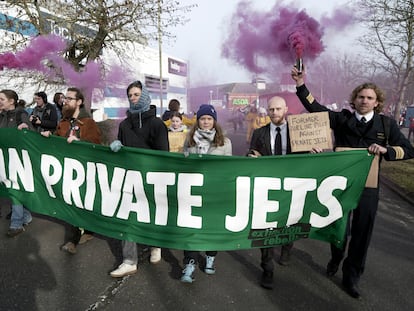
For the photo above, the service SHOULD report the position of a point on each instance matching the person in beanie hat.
(207, 110)
(205, 137)
(141, 129)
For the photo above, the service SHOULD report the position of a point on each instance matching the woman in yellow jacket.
(177, 132)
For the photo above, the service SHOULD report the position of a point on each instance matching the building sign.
(216, 102)
(64, 28)
(177, 67)
(26, 28)
(10, 23)
(240, 101)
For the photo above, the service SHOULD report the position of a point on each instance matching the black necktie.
(363, 120)
(278, 142)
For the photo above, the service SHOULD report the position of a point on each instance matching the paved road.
(35, 275)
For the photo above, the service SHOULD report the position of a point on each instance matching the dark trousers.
(73, 234)
(267, 256)
(193, 255)
(362, 225)
(267, 259)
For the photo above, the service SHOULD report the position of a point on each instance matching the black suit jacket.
(346, 132)
(261, 141)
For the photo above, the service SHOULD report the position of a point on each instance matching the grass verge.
(400, 173)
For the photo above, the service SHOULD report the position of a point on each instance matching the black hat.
(207, 110)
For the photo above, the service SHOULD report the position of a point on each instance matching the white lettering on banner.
(110, 194)
(134, 198)
(161, 181)
(240, 221)
(261, 204)
(299, 188)
(19, 170)
(90, 186)
(73, 178)
(125, 192)
(51, 171)
(186, 201)
(325, 190)
(3, 176)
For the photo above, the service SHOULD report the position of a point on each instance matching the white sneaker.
(124, 269)
(155, 255)
(209, 268)
(187, 276)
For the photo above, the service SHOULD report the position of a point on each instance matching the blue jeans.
(20, 216)
(129, 252)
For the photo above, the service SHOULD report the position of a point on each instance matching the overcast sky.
(199, 41)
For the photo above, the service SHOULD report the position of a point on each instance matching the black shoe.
(331, 268)
(351, 290)
(267, 280)
(13, 232)
(284, 258)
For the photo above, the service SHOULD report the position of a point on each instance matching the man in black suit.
(365, 127)
(272, 140)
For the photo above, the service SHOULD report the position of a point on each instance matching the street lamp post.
(160, 51)
(211, 97)
(260, 85)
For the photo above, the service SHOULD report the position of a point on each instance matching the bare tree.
(333, 78)
(94, 24)
(390, 42)
(89, 27)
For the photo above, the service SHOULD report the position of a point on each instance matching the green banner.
(189, 202)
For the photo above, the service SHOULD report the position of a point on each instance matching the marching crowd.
(267, 135)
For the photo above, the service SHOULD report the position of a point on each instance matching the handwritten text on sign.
(309, 130)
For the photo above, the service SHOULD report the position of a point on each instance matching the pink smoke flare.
(283, 34)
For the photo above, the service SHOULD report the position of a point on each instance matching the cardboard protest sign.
(309, 130)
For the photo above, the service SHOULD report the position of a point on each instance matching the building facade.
(164, 75)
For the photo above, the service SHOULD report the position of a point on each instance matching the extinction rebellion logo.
(273, 236)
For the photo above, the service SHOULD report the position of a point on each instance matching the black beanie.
(207, 110)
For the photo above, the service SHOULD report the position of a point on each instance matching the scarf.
(143, 102)
(204, 139)
(182, 128)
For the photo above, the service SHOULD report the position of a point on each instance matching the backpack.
(386, 123)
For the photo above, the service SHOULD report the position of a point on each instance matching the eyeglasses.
(69, 98)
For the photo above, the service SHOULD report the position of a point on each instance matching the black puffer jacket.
(144, 130)
(48, 116)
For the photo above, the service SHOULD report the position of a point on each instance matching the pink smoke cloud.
(45, 54)
(283, 33)
(339, 20)
(32, 57)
